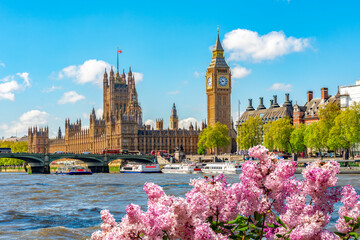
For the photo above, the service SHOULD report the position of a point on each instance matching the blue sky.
(52, 54)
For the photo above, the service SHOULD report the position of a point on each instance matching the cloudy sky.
(52, 56)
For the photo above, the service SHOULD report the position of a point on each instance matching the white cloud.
(2, 64)
(240, 72)
(85, 115)
(174, 92)
(26, 120)
(9, 85)
(70, 97)
(26, 78)
(281, 87)
(53, 88)
(186, 123)
(99, 112)
(150, 122)
(91, 71)
(138, 77)
(196, 74)
(243, 44)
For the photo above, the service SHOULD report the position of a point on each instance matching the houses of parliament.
(121, 125)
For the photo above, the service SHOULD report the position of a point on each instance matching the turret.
(105, 81)
(174, 118)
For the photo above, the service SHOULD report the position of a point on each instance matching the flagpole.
(117, 55)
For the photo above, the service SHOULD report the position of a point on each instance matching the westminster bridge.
(98, 163)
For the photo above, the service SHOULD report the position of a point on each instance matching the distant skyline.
(53, 55)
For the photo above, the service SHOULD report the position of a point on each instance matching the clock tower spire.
(218, 88)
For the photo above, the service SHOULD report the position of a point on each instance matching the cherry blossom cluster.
(268, 202)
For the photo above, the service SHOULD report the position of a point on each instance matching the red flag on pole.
(119, 51)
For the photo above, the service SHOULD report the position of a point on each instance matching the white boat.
(223, 167)
(73, 170)
(140, 168)
(181, 168)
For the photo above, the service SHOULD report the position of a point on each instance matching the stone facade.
(218, 92)
(349, 95)
(120, 126)
(309, 112)
(297, 114)
(273, 113)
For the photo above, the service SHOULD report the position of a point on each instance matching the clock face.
(209, 82)
(223, 81)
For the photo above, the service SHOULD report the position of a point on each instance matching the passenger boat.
(140, 168)
(181, 168)
(224, 167)
(73, 170)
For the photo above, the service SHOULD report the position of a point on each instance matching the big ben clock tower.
(218, 88)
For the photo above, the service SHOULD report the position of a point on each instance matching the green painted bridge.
(98, 163)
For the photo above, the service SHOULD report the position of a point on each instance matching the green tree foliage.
(214, 137)
(346, 130)
(297, 138)
(316, 136)
(277, 135)
(250, 133)
(15, 147)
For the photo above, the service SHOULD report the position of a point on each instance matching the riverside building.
(121, 126)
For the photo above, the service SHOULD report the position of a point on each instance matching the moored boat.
(140, 168)
(181, 168)
(224, 167)
(73, 170)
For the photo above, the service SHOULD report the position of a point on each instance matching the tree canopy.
(250, 133)
(277, 134)
(215, 137)
(15, 147)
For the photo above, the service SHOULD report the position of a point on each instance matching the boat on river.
(181, 168)
(223, 167)
(73, 170)
(140, 168)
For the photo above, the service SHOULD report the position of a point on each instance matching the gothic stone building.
(218, 92)
(120, 126)
(297, 114)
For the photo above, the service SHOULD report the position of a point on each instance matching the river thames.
(68, 207)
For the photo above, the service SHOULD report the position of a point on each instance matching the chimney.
(309, 96)
(275, 104)
(271, 104)
(287, 100)
(324, 93)
(250, 107)
(261, 105)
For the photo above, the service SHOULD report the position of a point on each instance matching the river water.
(68, 207)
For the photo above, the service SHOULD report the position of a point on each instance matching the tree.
(250, 133)
(215, 137)
(297, 138)
(277, 135)
(316, 136)
(346, 131)
(15, 147)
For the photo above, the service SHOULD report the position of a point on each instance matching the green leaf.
(354, 234)
(257, 216)
(340, 234)
(279, 236)
(243, 229)
(281, 222)
(347, 219)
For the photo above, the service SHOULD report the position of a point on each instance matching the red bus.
(111, 151)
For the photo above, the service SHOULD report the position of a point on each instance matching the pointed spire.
(218, 46)
(173, 111)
